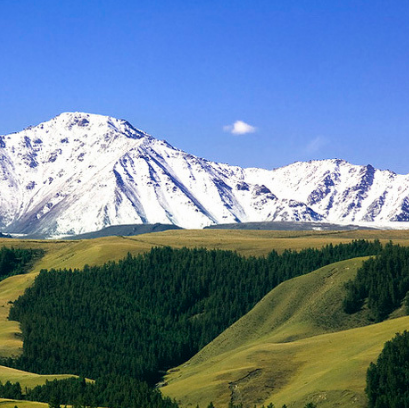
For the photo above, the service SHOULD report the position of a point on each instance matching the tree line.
(381, 283)
(145, 314)
(104, 392)
(387, 380)
(79, 393)
(15, 261)
(135, 318)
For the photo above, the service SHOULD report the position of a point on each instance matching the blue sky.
(311, 79)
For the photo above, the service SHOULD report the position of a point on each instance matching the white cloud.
(239, 128)
(316, 144)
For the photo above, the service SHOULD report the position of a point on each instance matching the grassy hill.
(297, 345)
(7, 403)
(26, 379)
(74, 254)
(269, 337)
(11, 342)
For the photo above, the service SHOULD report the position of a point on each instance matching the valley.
(204, 204)
(296, 338)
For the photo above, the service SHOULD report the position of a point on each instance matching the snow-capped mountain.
(81, 172)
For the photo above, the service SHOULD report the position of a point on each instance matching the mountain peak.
(81, 119)
(85, 123)
(81, 172)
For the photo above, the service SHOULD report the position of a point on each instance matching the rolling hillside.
(295, 346)
(75, 254)
(7, 403)
(284, 344)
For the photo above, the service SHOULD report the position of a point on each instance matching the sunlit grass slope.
(26, 379)
(295, 346)
(7, 403)
(74, 254)
(10, 341)
(10, 338)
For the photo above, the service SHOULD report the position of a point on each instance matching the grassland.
(295, 346)
(10, 338)
(75, 254)
(26, 379)
(7, 403)
(270, 343)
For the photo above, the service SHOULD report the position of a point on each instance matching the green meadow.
(7, 403)
(295, 346)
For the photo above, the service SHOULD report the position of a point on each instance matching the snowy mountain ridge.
(82, 172)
